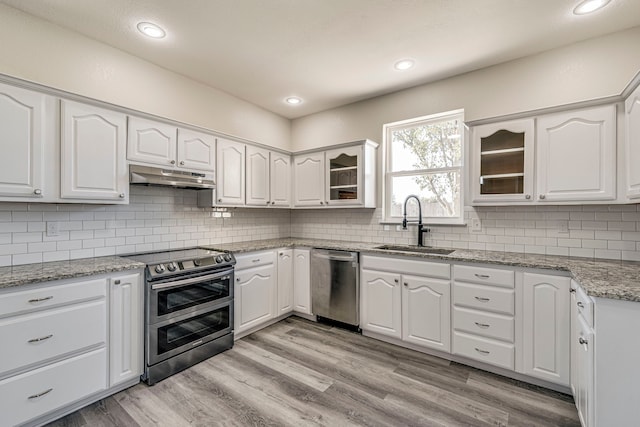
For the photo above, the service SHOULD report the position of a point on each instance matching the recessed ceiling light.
(588, 6)
(151, 30)
(404, 64)
(293, 100)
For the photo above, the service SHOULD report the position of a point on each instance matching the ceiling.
(330, 52)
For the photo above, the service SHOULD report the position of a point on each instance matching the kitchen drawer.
(484, 349)
(51, 295)
(416, 266)
(585, 305)
(39, 336)
(482, 323)
(255, 259)
(490, 298)
(485, 276)
(57, 384)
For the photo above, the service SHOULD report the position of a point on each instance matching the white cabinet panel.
(632, 123)
(381, 303)
(93, 147)
(255, 297)
(576, 155)
(344, 176)
(126, 329)
(230, 187)
(280, 179)
(309, 176)
(302, 281)
(486, 350)
(151, 142)
(426, 316)
(196, 150)
(24, 131)
(258, 175)
(546, 325)
(285, 281)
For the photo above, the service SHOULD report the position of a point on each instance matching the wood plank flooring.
(299, 373)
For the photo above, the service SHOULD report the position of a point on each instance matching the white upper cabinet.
(230, 187)
(258, 175)
(344, 183)
(308, 172)
(196, 150)
(502, 162)
(151, 142)
(576, 155)
(280, 179)
(93, 148)
(632, 123)
(25, 131)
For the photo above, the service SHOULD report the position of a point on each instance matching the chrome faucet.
(421, 229)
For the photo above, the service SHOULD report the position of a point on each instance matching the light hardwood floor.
(298, 373)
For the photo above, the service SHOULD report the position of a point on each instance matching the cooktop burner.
(178, 262)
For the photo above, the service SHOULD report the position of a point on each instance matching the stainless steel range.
(188, 309)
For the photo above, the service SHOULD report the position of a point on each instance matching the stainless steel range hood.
(145, 175)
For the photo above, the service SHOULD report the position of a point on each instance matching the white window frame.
(388, 175)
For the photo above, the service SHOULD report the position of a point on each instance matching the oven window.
(187, 331)
(176, 299)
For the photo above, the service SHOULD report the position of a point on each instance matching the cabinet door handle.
(121, 195)
(173, 162)
(42, 393)
(583, 341)
(237, 279)
(482, 351)
(482, 276)
(37, 192)
(273, 203)
(182, 163)
(219, 200)
(35, 300)
(542, 197)
(116, 282)
(322, 203)
(572, 291)
(46, 337)
(268, 202)
(481, 325)
(326, 202)
(528, 196)
(483, 299)
(580, 304)
(406, 284)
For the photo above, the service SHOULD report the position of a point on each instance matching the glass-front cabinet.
(344, 185)
(502, 162)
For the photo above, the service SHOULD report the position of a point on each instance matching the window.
(424, 158)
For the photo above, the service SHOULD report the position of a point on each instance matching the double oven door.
(186, 312)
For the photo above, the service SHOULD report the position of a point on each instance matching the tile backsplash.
(164, 218)
(602, 231)
(156, 219)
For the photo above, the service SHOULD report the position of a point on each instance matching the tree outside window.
(424, 157)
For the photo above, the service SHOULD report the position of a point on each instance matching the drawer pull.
(255, 260)
(483, 299)
(482, 276)
(481, 325)
(40, 339)
(34, 300)
(35, 396)
(580, 304)
(482, 351)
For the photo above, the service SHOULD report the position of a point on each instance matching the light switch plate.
(476, 225)
(53, 229)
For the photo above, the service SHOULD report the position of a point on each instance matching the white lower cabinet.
(412, 306)
(582, 355)
(126, 350)
(546, 326)
(285, 281)
(302, 281)
(255, 290)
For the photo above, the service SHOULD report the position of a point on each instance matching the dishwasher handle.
(334, 257)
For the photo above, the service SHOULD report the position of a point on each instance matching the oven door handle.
(175, 284)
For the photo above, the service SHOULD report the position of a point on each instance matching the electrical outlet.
(53, 229)
(226, 214)
(386, 228)
(476, 225)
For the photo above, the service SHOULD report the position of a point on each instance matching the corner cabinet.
(340, 177)
(576, 155)
(93, 154)
(502, 161)
(632, 123)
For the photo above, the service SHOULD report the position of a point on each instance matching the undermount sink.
(419, 249)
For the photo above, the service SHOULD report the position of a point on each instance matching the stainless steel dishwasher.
(335, 290)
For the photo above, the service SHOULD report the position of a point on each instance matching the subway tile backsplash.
(164, 218)
(602, 231)
(157, 218)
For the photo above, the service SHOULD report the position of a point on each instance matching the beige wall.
(583, 71)
(38, 51)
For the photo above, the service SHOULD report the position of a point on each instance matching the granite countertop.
(58, 270)
(599, 277)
